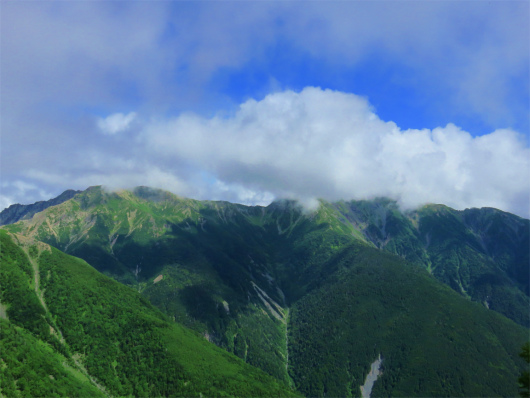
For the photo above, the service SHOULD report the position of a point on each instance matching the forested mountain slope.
(481, 253)
(311, 295)
(200, 262)
(68, 330)
(431, 341)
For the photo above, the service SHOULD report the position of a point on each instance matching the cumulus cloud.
(116, 123)
(299, 145)
(332, 145)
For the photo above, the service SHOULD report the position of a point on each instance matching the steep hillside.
(481, 253)
(203, 263)
(69, 330)
(431, 341)
(219, 268)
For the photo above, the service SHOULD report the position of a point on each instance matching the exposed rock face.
(19, 212)
(371, 378)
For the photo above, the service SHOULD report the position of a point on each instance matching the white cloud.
(5, 201)
(311, 144)
(22, 192)
(331, 145)
(116, 123)
(239, 194)
(117, 174)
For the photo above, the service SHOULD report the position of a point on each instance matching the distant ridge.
(18, 212)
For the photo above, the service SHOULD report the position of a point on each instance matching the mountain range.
(280, 299)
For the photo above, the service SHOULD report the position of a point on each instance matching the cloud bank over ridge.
(332, 145)
(302, 145)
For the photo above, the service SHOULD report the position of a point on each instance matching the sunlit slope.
(91, 335)
(33, 368)
(432, 341)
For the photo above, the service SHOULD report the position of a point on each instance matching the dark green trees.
(68, 330)
(524, 379)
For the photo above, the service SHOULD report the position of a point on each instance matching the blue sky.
(425, 101)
